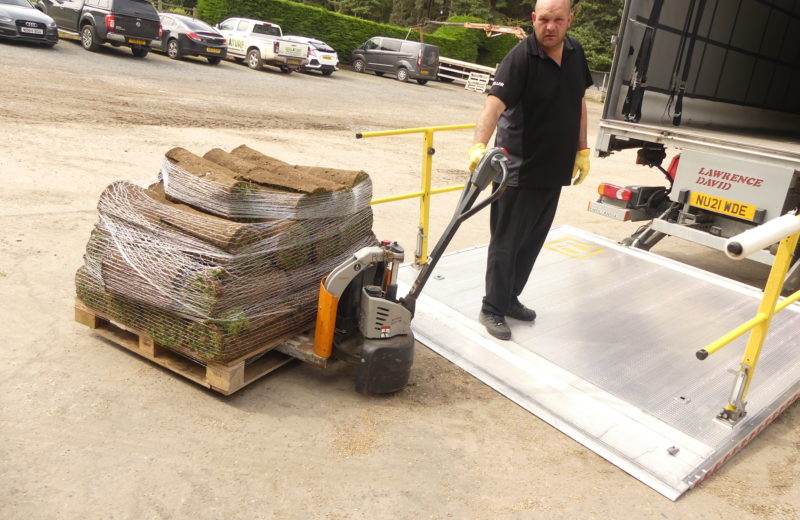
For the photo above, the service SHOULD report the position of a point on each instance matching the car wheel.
(402, 74)
(174, 49)
(422, 81)
(214, 60)
(285, 69)
(254, 59)
(358, 66)
(140, 51)
(89, 38)
(327, 72)
(378, 73)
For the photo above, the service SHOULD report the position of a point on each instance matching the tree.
(596, 21)
(374, 10)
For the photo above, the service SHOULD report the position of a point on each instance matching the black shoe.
(495, 325)
(520, 312)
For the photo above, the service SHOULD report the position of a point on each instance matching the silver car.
(20, 20)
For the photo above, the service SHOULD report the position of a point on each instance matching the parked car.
(321, 56)
(185, 36)
(19, 20)
(129, 23)
(405, 59)
(261, 43)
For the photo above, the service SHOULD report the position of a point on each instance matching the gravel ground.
(91, 431)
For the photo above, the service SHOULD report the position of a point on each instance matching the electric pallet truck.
(360, 320)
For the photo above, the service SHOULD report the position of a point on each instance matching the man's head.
(551, 19)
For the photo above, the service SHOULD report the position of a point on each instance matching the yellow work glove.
(475, 154)
(581, 168)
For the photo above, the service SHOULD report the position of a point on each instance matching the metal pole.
(421, 254)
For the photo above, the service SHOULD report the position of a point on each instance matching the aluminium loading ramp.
(610, 360)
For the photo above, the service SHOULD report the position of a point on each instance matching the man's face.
(551, 21)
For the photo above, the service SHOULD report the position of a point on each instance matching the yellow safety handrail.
(788, 229)
(421, 252)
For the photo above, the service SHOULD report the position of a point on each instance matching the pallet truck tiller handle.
(493, 163)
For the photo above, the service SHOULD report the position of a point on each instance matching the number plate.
(724, 206)
(31, 30)
(137, 41)
(424, 71)
(212, 49)
(293, 62)
(327, 58)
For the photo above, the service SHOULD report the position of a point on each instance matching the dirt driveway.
(88, 430)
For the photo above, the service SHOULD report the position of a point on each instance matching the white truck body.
(262, 43)
(715, 82)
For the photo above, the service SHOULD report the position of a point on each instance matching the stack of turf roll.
(225, 253)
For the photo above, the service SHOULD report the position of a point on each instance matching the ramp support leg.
(735, 409)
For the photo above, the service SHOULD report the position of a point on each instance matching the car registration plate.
(327, 58)
(31, 30)
(724, 206)
(212, 49)
(293, 62)
(137, 41)
(424, 71)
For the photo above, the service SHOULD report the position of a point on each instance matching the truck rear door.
(137, 20)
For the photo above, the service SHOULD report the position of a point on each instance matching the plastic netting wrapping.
(210, 287)
(265, 190)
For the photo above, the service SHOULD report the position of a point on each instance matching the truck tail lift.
(359, 317)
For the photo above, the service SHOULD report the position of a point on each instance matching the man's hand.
(475, 154)
(581, 168)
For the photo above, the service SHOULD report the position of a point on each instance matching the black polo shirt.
(540, 125)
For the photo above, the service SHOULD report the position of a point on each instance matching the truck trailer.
(708, 93)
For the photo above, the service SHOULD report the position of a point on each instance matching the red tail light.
(224, 41)
(613, 191)
(111, 22)
(276, 46)
(673, 166)
(419, 58)
(160, 31)
(193, 36)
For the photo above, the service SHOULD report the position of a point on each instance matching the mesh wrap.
(214, 288)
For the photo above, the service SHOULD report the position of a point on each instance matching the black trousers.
(519, 221)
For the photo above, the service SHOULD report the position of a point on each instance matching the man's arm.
(487, 121)
(582, 131)
(581, 168)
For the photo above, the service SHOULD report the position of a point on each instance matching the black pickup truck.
(130, 23)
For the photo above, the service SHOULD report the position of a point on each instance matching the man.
(537, 105)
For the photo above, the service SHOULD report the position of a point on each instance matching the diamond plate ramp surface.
(610, 359)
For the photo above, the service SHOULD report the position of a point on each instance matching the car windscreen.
(135, 8)
(269, 30)
(322, 47)
(197, 25)
(430, 55)
(21, 3)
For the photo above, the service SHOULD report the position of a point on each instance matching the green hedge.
(345, 33)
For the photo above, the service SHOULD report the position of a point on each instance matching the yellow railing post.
(421, 252)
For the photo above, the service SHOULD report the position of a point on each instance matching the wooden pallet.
(225, 378)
